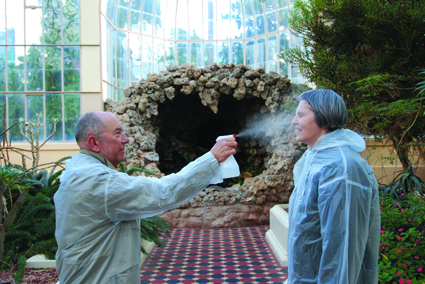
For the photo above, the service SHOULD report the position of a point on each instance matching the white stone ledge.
(40, 261)
(277, 235)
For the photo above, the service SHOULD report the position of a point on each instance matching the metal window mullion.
(163, 34)
(44, 117)
(128, 59)
(230, 29)
(244, 35)
(116, 63)
(128, 46)
(115, 12)
(63, 116)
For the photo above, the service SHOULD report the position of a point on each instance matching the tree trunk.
(402, 154)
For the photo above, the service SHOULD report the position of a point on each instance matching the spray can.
(229, 167)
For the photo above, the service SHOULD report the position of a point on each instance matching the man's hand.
(224, 148)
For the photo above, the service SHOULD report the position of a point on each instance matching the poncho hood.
(340, 137)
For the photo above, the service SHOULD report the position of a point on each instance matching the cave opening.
(188, 129)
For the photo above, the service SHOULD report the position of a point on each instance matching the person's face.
(114, 140)
(307, 129)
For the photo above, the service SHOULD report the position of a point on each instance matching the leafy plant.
(153, 229)
(402, 245)
(132, 170)
(405, 182)
(368, 52)
(27, 221)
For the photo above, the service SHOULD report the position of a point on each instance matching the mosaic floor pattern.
(225, 255)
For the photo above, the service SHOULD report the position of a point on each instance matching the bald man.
(98, 208)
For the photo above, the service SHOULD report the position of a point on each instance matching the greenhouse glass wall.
(145, 36)
(62, 58)
(40, 65)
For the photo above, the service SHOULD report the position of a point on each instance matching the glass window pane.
(135, 15)
(113, 57)
(209, 53)
(122, 14)
(120, 94)
(259, 17)
(283, 18)
(249, 19)
(114, 11)
(236, 25)
(182, 23)
(182, 53)
(147, 56)
(195, 19)
(71, 114)
(122, 59)
(223, 20)
(33, 26)
(270, 5)
(170, 20)
(2, 69)
(15, 68)
(53, 68)
(208, 11)
(71, 21)
(71, 65)
(170, 53)
(54, 110)
(135, 58)
(159, 55)
(272, 51)
(52, 22)
(110, 95)
(147, 16)
(196, 53)
(223, 52)
(15, 22)
(15, 108)
(283, 44)
(250, 53)
(159, 18)
(2, 22)
(282, 3)
(109, 9)
(3, 125)
(34, 107)
(237, 52)
(271, 22)
(34, 68)
(261, 52)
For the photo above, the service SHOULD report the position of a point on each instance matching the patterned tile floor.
(226, 255)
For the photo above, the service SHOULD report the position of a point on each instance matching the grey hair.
(89, 124)
(328, 107)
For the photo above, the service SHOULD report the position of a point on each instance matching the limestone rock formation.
(263, 97)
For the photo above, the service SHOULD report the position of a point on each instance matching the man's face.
(308, 131)
(114, 140)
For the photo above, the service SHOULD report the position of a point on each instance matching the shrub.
(402, 246)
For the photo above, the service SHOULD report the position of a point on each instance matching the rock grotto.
(175, 116)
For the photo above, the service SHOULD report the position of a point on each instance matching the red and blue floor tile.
(223, 255)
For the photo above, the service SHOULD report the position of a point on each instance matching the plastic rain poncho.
(98, 211)
(334, 217)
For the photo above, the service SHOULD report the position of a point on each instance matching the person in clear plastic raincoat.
(98, 208)
(334, 217)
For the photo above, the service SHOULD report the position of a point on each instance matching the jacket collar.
(98, 157)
